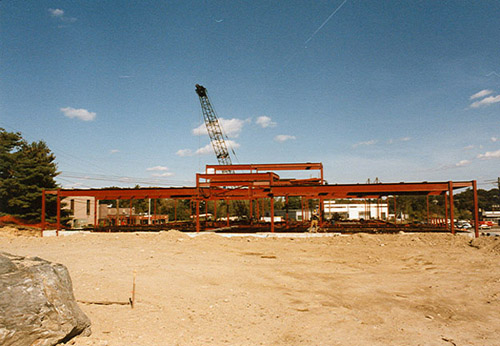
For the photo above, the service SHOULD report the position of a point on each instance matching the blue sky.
(399, 90)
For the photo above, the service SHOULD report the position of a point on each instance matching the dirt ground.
(404, 289)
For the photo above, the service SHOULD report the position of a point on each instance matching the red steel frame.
(260, 182)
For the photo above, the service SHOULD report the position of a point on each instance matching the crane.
(213, 127)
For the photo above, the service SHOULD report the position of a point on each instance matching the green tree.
(25, 169)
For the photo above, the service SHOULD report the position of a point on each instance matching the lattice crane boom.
(213, 127)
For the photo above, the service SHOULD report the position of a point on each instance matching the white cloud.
(495, 139)
(371, 142)
(283, 138)
(462, 163)
(207, 149)
(114, 151)
(231, 127)
(166, 174)
(80, 113)
(469, 147)
(487, 101)
(184, 152)
(390, 141)
(265, 121)
(157, 168)
(56, 12)
(480, 94)
(489, 155)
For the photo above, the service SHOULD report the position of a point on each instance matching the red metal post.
(250, 207)
(95, 212)
(206, 213)
(215, 210)
(130, 213)
(452, 219)
(154, 213)
(43, 213)
(321, 211)
(476, 209)
(257, 210)
(378, 209)
(117, 212)
(58, 212)
(395, 212)
(286, 210)
(175, 210)
(197, 216)
(446, 210)
(272, 214)
(427, 201)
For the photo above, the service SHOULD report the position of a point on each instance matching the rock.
(37, 305)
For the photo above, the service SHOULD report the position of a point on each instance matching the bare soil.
(404, 289)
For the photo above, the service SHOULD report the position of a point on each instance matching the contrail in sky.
(326, 21)
(309, 39)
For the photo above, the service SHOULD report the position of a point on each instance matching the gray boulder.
(37, 305)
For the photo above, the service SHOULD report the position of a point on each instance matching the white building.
(81, 210)
(352, 211)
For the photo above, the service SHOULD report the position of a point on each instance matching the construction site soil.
(395, 289)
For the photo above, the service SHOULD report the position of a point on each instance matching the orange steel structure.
(255, 182)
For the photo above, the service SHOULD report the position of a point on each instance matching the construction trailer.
(259, 184)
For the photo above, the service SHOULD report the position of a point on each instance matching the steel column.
(43, 213)
(95, 212)
(286, 211)
(215, 210)
(272, 214)
(476, 209)
(117, 221)
(446, 210)
(58, 212)
(452, 219)
(395, 212)
(250, 207)
(130, 213)
(197, 216)
(427, 201)
(154, 215)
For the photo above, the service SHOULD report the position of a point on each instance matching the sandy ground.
(347, 290)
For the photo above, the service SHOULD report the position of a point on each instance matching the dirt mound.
(174, 234)
(18, 231)
(487, 244)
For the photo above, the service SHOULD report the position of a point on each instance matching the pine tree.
(25, 169)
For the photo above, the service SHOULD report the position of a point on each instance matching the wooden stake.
(132, 301)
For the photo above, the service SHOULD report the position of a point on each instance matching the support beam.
(95, 213)
(175, 211)
(215, 211)
(198, 216)
(43, 213)
(272, 214)
(452, 218)
(476, 209)
(58, 228)
(427, 201)
(446, 210)
(117, 220)
(395, 211)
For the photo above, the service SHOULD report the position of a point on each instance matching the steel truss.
(258, 182)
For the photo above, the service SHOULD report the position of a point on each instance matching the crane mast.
(213, 127)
